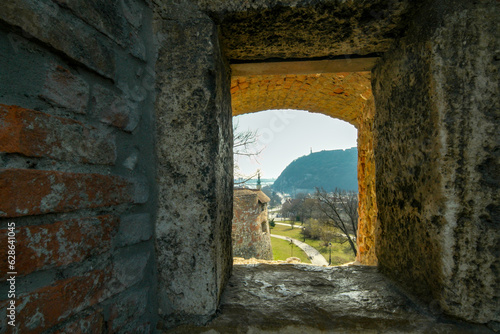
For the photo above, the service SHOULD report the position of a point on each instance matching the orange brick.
(61, 243)
(26, 192)
(37, 134)
(48, 306)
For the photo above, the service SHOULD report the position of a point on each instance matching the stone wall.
(76, 171)
(367, 196)
(116, 151)
(437, 161)
(195, 164)
(250, 230)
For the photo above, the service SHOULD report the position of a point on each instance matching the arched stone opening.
(426, 117)
(346, 96)
(117, 115)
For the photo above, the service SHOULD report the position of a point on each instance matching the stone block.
(128, 269)
(134, 229)
(45, 20)
(115, 110)
(133, 12)
(128, 307)
(37, 134)
(131, 161)
(104, 15)
(26, 192)
(61, 243)
(65, 89)
(136, 46)
(119, 20)
(193, 124)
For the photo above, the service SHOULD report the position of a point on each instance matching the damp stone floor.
(307, 299)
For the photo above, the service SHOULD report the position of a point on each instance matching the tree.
(275, 199)
(244, 144)
(292, 208)
(272, 224)
(300, 208)
(340, 209)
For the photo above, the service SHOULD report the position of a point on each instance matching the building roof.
(252, 192)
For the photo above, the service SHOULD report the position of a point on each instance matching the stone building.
(116, 147)
(250, 230)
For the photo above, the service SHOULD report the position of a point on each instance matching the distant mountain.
(327, 169)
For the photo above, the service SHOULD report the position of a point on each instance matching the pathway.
(284, 224)
(312, 253)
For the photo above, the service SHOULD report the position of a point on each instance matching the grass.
(282, 251)
(341, 253)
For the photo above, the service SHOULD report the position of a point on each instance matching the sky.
(286, 135)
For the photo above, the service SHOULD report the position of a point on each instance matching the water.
(253, 182)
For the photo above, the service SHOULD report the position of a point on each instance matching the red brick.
(37, 134)
(91, 324)
(58, 244)
(234, 89)
(48, 306)
(66, 89)
(26, 192)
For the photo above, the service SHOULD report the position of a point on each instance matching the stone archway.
(346, 96)
(435, 139)
(118, 115)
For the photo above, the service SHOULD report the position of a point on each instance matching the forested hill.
(327, 169)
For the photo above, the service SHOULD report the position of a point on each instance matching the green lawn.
(341, 253)
(282, 251)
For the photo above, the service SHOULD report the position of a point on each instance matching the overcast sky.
(289, 134)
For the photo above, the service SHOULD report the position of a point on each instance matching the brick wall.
(250, 229)
(75, 176)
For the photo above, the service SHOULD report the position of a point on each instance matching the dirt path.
(312, 253)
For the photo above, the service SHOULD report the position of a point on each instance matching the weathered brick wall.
(75, 175)
(249, 238)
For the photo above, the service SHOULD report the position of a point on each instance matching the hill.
(327, 169)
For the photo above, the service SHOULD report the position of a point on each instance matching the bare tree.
(245, 144)
(340, 209)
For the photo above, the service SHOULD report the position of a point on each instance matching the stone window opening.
(346, 96)
(264, 227)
